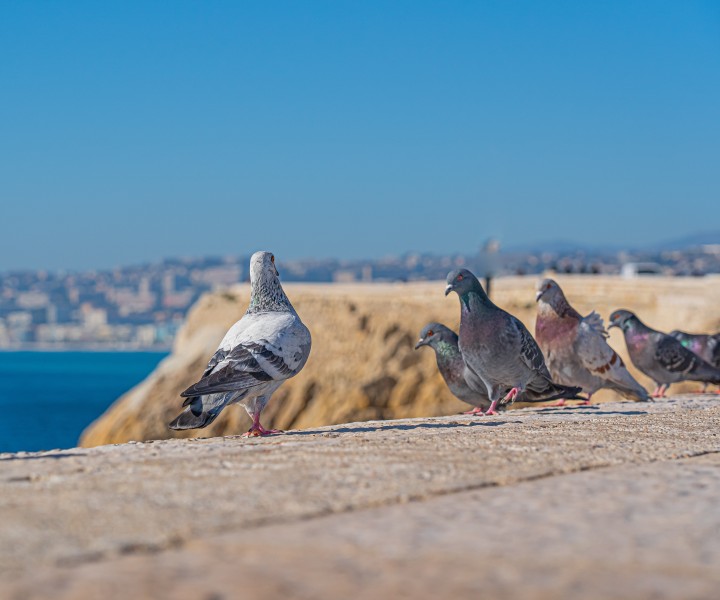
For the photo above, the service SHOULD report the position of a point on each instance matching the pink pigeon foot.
(258, 430)
(491, 410)
(660, 391)
(511, 395)
(586, 402)
(560, 402)
(475, 411)
(704, 390)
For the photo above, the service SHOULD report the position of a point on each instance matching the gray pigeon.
(269, 345)
(576, 349)
(705, 346)
(498, 350)
(660, 356)
(444, 342)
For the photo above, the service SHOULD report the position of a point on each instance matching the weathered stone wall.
(362, 364)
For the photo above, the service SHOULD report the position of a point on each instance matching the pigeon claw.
(259, 431)
(660, 391)
(560, 402)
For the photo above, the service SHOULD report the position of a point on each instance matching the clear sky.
(131, 131)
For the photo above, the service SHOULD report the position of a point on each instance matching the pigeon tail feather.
(193, 417)
(706, 373)
(554, 391)
(639, 393)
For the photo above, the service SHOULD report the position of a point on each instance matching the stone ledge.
(185, 515)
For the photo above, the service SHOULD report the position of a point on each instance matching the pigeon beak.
(448, 289)
(277, 273)
(538, 295)
(612, 324)
(420, 343)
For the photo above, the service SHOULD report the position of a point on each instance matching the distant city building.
(633, 269)
(143, 306)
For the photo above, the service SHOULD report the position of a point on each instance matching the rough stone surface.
(363, 366)
(616, 501)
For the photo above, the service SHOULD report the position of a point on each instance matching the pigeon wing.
(673, 356)
(594, 322)
(530, 352)
(218, 357)
(592, 349)
(245, 366)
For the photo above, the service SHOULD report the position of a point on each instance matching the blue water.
(48, 398)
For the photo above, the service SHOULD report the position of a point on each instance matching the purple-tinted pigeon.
(705, 346)
(576, 349)
(660, 356)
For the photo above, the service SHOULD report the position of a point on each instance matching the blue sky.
(131, 131)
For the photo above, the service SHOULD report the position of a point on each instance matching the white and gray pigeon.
(660, 356)
(444, 341)
(268, 346)
(499, 351)
(576, 349)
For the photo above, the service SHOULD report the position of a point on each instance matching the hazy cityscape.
(142, 307)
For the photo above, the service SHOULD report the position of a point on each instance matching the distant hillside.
(567, 246)
(691, 241)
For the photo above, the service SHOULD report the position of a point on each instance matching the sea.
(47, 399)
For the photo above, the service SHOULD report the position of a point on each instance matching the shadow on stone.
(400, 427)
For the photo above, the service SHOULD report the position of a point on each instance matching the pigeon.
(660, 356)
(444, 342)
(705, 346)
(268, 346)
(576, 349)
(499, 351)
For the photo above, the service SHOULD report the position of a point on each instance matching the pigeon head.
(462, 282)
(549, 291)
(266, 293)
(433, 333)
(622, 319)
(262, 265)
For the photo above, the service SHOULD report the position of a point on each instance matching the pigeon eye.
(272, 258)
(430, 333)
(459, 277)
